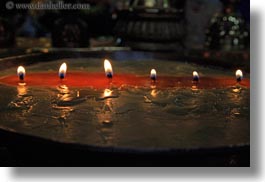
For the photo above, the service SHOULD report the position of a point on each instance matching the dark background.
(100, 20)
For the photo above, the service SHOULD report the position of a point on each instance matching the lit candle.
(62, 71)
(21, 72)
(153, 75)
(239, 75)
(195, 76)
(108, 68)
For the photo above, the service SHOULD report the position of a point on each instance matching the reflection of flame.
(62, 70)
(108, 68)
(194, 88)
(239, 75)
(107, 92)
(64, 93)
(65, 98)
(153, 74)
(22, 90)
(21, 72)
(195, 76)
(154, 93)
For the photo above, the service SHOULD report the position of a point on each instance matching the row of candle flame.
(21, 72)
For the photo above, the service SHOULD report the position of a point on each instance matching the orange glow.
(22, 90)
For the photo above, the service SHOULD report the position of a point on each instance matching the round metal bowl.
(20, 149)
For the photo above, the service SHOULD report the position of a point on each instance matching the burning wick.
(239, 75)
(195, 76)
(153, 75)
(21, 72)
(108, 69)
(62, 71)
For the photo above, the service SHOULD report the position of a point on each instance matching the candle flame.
(21, 72)
(195, 76)
(239, 75)
(62, 70)
(108, 68)
(153, 74)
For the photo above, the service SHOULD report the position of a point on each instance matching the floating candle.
(62, 71)
(153, 74)
(108, 68)
(239, 75)
(21, 72)
(195, 76)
